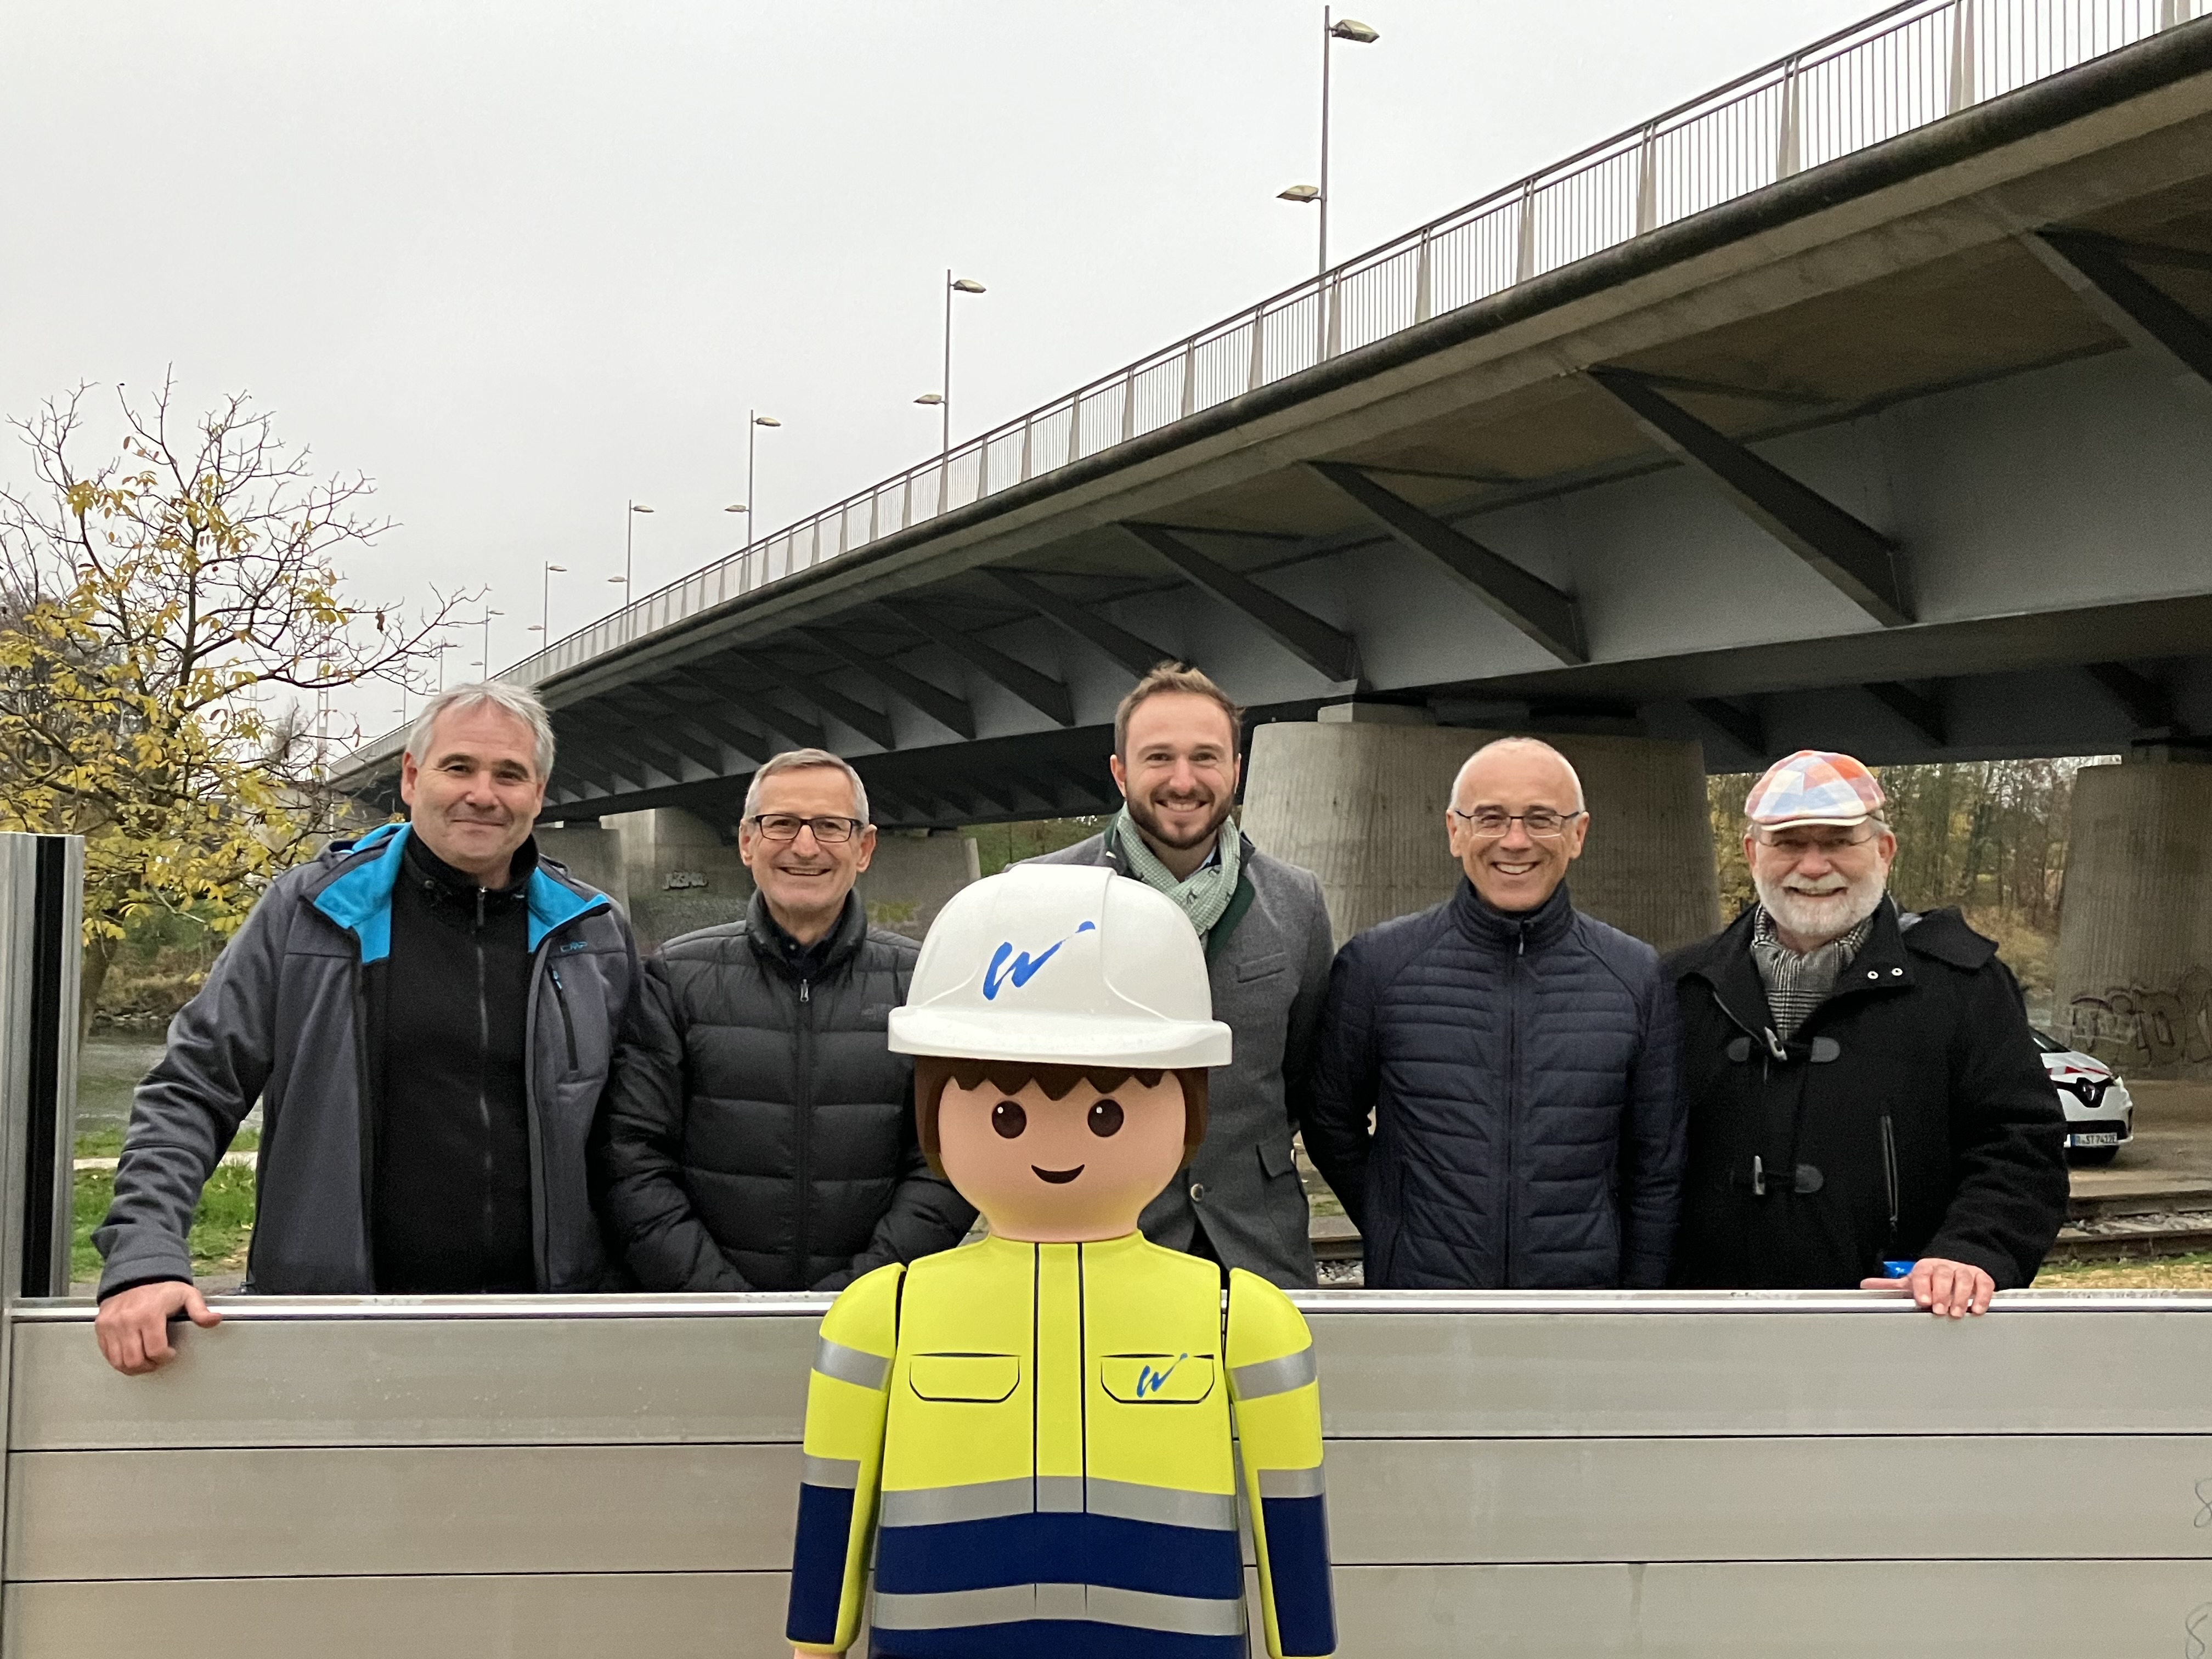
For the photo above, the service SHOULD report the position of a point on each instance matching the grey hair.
(800, 760)
(1467, 766)
(493, 694)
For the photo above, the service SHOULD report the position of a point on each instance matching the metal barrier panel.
(41, 950)
(1513, 1473)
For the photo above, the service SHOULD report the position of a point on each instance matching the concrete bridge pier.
(674, 871)
(911, 876)
(2134, 936)
(1359, 798)
(682, 873)
(591, 849)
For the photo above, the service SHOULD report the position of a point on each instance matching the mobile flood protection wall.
(1515, 1474)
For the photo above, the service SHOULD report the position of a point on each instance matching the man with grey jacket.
(1177, 761)
(427, 1016)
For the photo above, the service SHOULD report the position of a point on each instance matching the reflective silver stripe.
(952, 1609)
(1058, 1494)
(1163, 1506)
(1292, 1371)
(854, 1366)
(938, 1506)
(1185, 1616)
(843, 1472)
(1010, 1604)
(1292, 1483)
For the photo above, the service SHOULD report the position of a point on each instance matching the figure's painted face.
(1071, 1170)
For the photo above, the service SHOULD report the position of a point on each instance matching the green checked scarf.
(1206, 892)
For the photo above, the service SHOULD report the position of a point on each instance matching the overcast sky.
(522, 261)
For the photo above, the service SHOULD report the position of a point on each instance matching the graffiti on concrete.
(2136, 1025)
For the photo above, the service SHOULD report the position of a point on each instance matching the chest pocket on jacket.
(980, 1378)
(1262, 967)
(1156, 1379)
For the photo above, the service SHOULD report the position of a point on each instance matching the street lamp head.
(562, 568)
(639, 507)
(963, 285)
(1300, 194)
(1351, 29)
(736, 507)
(931, 397)
(619, 581)
(766, 420)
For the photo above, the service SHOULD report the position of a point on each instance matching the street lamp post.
(630, 524)
(754, 421)
(943, 397)
(545, 608)
(1333, 29)
(486, 620)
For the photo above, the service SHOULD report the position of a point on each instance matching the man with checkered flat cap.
(1863, 1092)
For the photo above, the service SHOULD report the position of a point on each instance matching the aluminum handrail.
(1905, 67)
(257, 1310)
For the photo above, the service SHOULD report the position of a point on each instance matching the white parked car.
(2100, 1115)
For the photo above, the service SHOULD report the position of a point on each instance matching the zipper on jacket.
(483, 1074)
(568, 1022)
(804, 1094)
(1512, 1097)
(370, 1106)
(1889, 1176)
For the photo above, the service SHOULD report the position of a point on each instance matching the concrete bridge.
(1865, 403)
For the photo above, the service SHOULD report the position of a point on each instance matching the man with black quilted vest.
(1517, 1059)
(760, 1132)
(1867, 1105)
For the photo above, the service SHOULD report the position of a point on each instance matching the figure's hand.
(1940, 1287)
(133, 1326)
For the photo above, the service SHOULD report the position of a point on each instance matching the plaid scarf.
(1796, 985)
(1204, 893)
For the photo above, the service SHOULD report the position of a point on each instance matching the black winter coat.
(1909, 1116)
(1521, 1069)
(760, 1134)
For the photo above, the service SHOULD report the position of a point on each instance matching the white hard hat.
(1062, 964)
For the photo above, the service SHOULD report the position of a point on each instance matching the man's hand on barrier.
(1952, 1288)
(133, 1326)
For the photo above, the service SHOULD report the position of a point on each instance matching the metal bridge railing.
(1906, 67)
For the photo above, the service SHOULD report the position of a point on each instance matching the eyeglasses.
(1489, 822)
(786, 826)
(1797, 842)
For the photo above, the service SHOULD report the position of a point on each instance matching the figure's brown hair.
(932, 1072)
(1172, 677)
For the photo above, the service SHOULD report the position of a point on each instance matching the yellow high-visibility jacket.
(1036, 1438)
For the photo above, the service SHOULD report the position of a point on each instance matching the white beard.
(1824, 915)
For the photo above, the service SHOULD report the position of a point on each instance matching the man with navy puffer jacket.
(1518, 1059)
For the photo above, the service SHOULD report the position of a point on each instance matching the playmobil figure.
(1032, 1434)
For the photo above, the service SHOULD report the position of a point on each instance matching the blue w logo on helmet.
(1018, 967)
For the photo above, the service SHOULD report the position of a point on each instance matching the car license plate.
(2097, 1137)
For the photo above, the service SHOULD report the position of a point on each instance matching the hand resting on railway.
(133, 1326)
(1952, 1288)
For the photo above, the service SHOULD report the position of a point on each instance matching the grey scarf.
(1204, 893)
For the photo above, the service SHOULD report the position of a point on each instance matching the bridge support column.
(2135, 936)
(680, 873)
(593, 851)
(1359, 800)
(909, 880)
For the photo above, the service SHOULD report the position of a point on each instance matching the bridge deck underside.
(1866, 460)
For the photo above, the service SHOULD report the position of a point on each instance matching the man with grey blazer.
(1177, 760)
